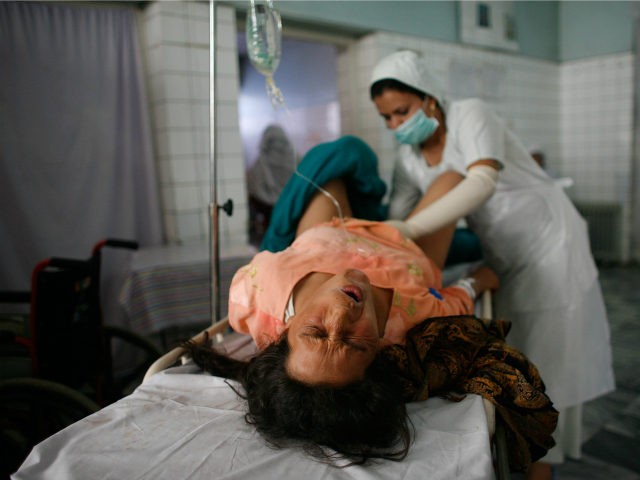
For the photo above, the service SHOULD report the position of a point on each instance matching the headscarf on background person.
(273, 167)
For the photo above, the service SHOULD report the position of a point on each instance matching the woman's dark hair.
(363, 420)
(379, 87)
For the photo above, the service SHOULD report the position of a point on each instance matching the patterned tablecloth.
(169, 286)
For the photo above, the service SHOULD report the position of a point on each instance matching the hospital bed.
(182, 423)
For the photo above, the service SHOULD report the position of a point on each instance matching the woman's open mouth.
(352, 291)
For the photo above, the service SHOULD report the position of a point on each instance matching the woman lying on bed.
(352, 321)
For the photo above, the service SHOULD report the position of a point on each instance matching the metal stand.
(214, 208)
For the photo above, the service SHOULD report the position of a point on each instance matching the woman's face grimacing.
(335, 334)
(396, 107)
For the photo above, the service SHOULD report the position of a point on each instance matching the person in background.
(531, 236)
(266, 178)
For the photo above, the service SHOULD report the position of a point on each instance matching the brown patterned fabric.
(448, 356)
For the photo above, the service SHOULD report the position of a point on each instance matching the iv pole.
(214, 208)
(214, 252)
(214, 249)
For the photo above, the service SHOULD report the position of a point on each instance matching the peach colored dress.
(260, 290)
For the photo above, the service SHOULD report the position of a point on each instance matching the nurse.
(530, 232)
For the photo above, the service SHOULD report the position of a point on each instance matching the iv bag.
(264, 36)
(264, 39)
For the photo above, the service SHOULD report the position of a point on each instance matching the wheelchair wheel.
(31, 410)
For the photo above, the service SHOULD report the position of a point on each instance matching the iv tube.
(323, 191)
(297, 172)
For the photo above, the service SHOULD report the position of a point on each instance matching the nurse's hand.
(484, 279)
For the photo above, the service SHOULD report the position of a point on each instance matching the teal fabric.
(465, 247)
(348, 158)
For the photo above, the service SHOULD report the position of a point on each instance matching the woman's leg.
(436, 245)
(322, 208)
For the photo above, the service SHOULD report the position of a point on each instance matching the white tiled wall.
(596, 128)
(176, 40)
(597, 131)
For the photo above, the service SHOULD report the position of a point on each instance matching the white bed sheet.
(185, 425)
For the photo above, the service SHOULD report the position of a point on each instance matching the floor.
(611, 448)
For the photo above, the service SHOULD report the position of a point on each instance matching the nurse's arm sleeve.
(470, 193)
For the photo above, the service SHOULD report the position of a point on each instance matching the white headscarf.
(409, 68)
(275, 164)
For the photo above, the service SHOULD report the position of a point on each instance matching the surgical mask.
(417, 129)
